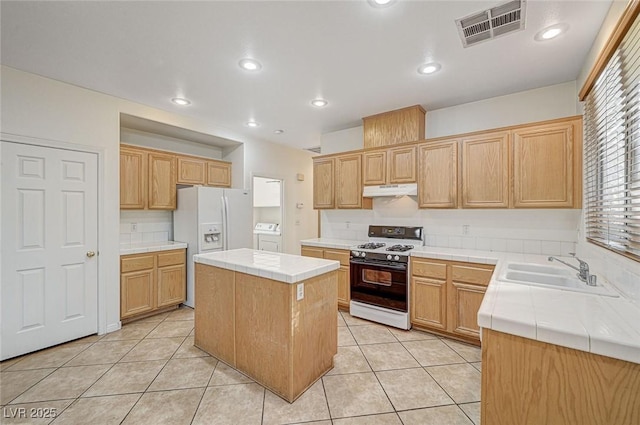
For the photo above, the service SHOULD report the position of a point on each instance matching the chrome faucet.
(583, 271)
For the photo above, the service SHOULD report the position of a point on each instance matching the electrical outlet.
(465, 229)
(134, 227)
(348, 224)
(300, 291)
(297, 222)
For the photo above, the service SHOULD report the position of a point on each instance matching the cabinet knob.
(90, 254)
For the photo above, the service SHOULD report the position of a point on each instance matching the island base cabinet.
(260, 327)
(529, 382)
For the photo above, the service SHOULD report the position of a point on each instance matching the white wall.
(342, 140)
(37, 107)
(157, 141)
(151, 225)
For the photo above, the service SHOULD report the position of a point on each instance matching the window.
(612, 151)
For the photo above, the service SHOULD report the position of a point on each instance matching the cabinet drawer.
(171, 258)
(137, 262)
(428, 269)
(342, 256)
(471, 274)
(312, 252)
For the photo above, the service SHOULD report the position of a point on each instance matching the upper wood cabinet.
(191, 170)
(390, 166)
(394, 127)
(545, 172)
(219, 173)
(133, 171)
(162, 181)
(374, 168)
(438, 175)
(348, 181)
(485, 171)
(323, 183)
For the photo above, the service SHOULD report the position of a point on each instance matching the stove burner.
(372, 245)
(400, 248)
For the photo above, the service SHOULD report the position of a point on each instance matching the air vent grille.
(492, 23)
(315, 149)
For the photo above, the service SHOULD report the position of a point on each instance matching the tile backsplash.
(540, 231)
(150, 226)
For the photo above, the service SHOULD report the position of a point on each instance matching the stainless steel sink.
(550, 277)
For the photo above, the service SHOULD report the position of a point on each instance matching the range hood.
(410, 189)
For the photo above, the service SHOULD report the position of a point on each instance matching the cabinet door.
(402, 165)
(191, 170)
(136, 293)
(485, 171)
(218, 173)
(312, 252)
(375, 168)
(132, 179)
(543, 166)
(438, 175)
(428, 302)
(349, 181)
(344, 288)
(464, 305)
(162, 181)
(172, 285)
(323, 184)
(393, 127)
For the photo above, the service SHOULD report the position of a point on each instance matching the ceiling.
(362, 59)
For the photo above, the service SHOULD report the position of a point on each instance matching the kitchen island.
(269, 315)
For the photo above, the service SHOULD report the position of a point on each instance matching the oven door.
(383, 285)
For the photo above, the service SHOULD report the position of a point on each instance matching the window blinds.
(612, 151)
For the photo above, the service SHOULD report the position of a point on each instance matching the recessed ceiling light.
(429, 68)
(551, 32)
(381, 3)
(181, 101)
(252, 124)
(250, 65)
(319, 103)
(278, 131)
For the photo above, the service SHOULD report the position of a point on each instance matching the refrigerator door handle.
(225, 222)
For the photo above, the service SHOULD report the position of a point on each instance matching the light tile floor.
(149, 372)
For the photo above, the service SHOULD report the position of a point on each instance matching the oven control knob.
(389, 257)
(364, 254)
(355, 253)
(397, 257)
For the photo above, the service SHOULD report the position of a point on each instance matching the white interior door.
(49, 228)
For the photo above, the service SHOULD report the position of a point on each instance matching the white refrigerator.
(212, 219)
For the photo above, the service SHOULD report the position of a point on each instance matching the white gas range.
(380, 275)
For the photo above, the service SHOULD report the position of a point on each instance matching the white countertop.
(142, 247)
(587, 322)
(331, 243)
(271, 265)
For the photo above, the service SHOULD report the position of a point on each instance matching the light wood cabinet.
(219, 173)
(391, 166)
(348, 181)
(446, 296)
(162, 181)
(133, 167)
(152, 282)
(323, 183)
(191, 170)
(485, 171)
(543, 166)
(438, 175)
(344, 272)
(394, 127)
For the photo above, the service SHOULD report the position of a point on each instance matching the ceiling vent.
(492, 23)
(315, 149)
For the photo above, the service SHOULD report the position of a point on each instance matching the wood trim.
(622, 27)
(531, 382)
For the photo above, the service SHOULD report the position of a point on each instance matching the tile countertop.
(142, 247)
(271, 265)
(331, 243)
(587, 322)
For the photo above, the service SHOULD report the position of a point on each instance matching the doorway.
(268, 213)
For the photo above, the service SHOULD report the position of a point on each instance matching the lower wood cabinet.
(152, 281)
(344, 272)
(446, 296)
